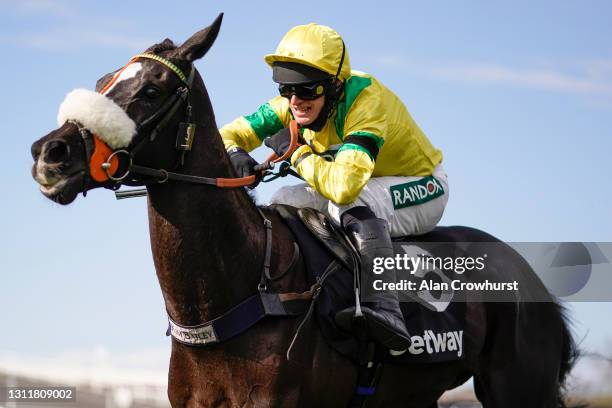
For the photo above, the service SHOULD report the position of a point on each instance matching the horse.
(209, 243)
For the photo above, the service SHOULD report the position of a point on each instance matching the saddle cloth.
(437, 332)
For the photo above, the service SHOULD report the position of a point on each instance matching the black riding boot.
(385, 322)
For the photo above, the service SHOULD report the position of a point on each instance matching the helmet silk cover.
(314, 45)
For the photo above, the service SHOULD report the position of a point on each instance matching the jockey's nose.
(295, 100)
(54, 152)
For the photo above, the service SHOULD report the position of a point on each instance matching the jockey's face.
(305, 112)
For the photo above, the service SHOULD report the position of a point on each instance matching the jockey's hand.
(279, 142)
(243, 164)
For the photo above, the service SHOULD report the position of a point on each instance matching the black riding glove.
(279, 142)
(243, 163)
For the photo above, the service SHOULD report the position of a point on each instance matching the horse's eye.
(152, 92)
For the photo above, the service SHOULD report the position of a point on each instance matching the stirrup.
(372, 324)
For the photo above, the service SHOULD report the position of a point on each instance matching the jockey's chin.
(306, 111)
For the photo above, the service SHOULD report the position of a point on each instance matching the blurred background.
(518, 96)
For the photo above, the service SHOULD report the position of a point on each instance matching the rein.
(163, 175)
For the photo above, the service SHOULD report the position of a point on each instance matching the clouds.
(48, 8)
(580, 78)
(74, 39)
(535, 78)
(66, 27)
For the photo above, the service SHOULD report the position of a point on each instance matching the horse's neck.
(207, 243)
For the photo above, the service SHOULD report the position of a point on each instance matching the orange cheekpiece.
(101, 150)
(99, 156)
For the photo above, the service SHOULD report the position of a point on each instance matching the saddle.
(435, 324)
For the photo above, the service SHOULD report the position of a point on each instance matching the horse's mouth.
(64, 190)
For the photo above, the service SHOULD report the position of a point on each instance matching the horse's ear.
(104, 80)
(199, 43)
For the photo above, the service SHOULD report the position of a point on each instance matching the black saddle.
(435, 324)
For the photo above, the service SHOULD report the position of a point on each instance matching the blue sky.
(518, 96)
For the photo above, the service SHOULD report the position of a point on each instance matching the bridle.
(105, 163)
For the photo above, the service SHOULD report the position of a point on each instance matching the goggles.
(306, 92)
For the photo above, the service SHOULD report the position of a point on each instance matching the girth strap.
(240, 318)
(368, 374)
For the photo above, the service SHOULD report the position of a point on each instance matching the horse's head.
(102, 133)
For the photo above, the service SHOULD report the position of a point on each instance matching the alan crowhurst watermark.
(434, 264)
(492, 271)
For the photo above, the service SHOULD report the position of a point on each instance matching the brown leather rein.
(164, 175)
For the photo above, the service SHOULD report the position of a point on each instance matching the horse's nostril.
(35, 150)
(56, 152)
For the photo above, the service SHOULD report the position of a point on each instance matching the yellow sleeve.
(248, 132)
(363, 127)
(340, 181)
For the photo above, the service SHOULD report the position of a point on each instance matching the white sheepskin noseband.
(100, 115)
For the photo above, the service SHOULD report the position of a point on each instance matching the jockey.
(364, 160)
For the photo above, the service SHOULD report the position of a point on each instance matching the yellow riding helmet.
(314, 45)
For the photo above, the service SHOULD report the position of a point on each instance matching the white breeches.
(411, 205)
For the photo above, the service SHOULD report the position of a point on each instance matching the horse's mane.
(168, 45)
(165, 45)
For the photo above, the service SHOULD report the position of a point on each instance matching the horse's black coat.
(208, 248)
